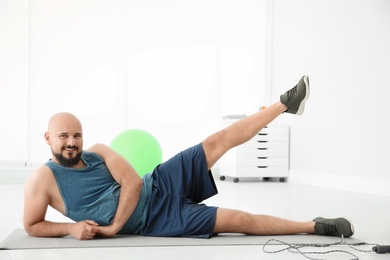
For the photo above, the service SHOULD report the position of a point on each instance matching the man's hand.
(88, 229)
(83, 230)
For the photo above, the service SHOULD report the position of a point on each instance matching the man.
(103, 194)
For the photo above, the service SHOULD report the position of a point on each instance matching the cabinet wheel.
(282, 179)
(236, 180)
(222, 178)
(265, 178)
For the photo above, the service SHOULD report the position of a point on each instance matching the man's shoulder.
(41, 176)
(103, 151)
(42, 171)
(97, 148)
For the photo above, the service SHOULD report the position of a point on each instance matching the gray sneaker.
(296, 97)
(333, 227)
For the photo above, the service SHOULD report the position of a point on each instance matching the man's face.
(65, 138)
(67, 153)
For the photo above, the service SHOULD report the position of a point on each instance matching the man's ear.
(47, 139)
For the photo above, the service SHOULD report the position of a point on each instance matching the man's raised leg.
(293, 101)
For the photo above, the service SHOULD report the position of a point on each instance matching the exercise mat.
(18, 239)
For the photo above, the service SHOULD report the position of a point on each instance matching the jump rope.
(297, 248)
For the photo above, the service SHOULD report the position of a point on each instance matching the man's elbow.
(134, 185)
(138, 185)
(30, 230)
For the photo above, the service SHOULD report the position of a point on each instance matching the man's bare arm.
(37, 198)
(131, 185)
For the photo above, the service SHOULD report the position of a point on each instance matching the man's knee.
(209, 144)
(233, 221)
(209, 147)
(241, 219)
(214, 148)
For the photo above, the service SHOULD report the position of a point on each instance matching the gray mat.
(18, 239)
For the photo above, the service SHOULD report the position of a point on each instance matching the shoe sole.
(302, 105)
(352, 227)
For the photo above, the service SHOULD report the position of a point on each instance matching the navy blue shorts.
(179, 185)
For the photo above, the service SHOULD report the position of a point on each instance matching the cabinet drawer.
(275, 130)
(262, 162)
(278, 145)
(262, 152)
(248, 171)
(270, 137)
(264, 144)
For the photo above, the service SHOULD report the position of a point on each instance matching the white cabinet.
(264, 156)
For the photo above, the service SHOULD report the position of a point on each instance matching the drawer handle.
(262, 167)
(262, 148)
(262, 134)
(262, 158)
(262, 141)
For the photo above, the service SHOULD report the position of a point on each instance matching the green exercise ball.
(139, 148)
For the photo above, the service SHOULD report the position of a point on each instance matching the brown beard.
(65, 162)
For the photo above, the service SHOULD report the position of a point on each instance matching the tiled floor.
(370, 215)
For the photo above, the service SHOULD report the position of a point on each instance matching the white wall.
(172, 68)
(190, 62)
(343, 138)
(14, 71)
(175, 67)
(78, 64)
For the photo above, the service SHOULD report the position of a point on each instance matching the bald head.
(65, 137)
(61, 119)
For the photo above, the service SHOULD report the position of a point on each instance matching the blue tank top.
(92, 193)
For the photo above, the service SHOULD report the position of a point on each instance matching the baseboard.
(342, 182)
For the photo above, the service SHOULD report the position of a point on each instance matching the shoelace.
(330, 228)
(292, 93)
